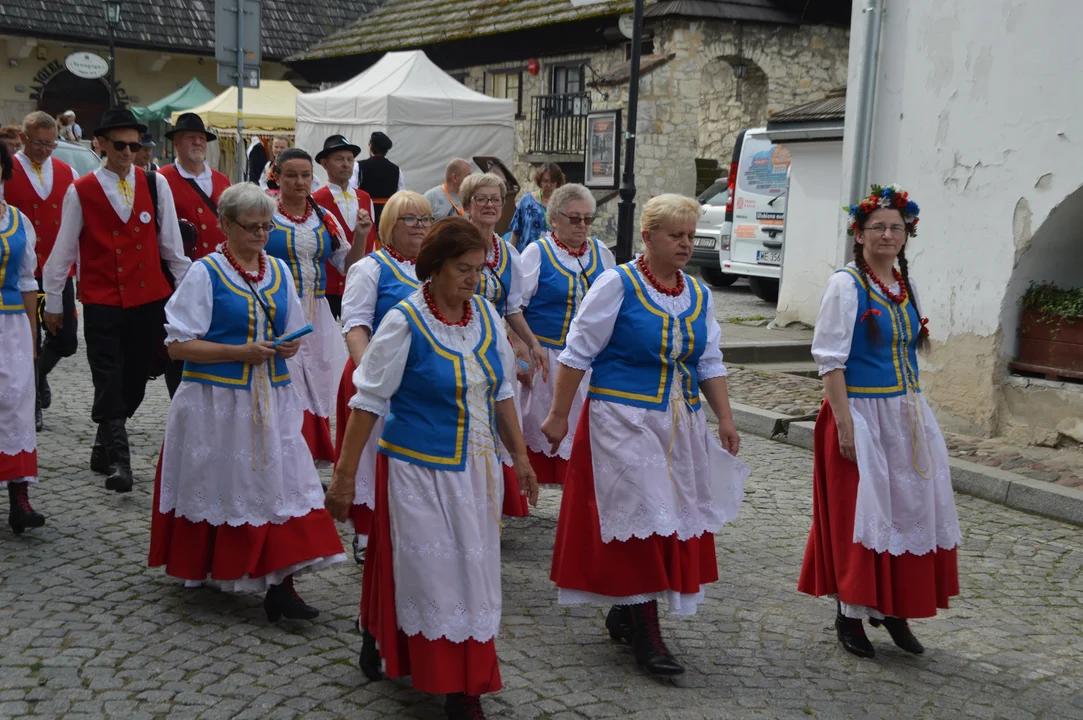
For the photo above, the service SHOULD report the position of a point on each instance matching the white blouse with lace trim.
(17, 434)
(362, 291)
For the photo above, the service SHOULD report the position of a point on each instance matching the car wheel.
(765, 289)
(717, 278)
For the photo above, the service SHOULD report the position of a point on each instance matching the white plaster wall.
(812, 210)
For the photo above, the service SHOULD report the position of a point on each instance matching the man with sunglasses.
(125, 243)
(37, 189)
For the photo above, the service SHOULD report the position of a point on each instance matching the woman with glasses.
(884, 528)
(558, 270)
(306, 236)
(648, 483)
(373, 286)
(529, 221)
(237, 501)
(501, 283)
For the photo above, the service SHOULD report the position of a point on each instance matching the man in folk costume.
(351, 207)
(444, 198)
(377, 175)
(37, 188)
(125, 234)
(256, 159)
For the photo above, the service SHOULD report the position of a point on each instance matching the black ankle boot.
(283, 601)
(369, 661)
(99, 456)
(460, 706)
(899, 630)
(21, 515)
(619, 624)
(120, 473)
(47, 360)
(650, 650)
(851, 634)
(39, 420)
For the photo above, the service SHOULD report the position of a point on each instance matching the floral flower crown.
(892, 197)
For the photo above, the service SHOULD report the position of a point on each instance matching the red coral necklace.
(293, 218)
(897, 299)
(467, 309)
(399, 256)
(246, 274)
(672, 292)
(574, 253)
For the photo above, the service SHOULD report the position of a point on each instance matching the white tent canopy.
(429, 116)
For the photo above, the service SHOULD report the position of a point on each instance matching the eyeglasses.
(587, 220)
(46, 145)
(413, 221)
(896, 230)
(488, 200)
(256, 228)
(119, 146)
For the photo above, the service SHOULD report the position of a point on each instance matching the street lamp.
(111, 11)
(626, 207)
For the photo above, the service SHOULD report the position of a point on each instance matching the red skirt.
(317, 432)
(25, 464)
(360, 515)
(550, 470)
(439, 666)
(515, 505)
(905, 586)
(201, 551)
(581, 561)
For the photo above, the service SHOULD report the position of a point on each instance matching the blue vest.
(552, 308)
(635, 367)
(12, 247)
(280, 245)
(429, 420)
(495, 282)
(393, 286)
(233, 322)
(890, 366)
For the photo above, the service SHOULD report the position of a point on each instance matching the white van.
(756, 213)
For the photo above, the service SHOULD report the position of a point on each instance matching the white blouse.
(532, 261)
(29, 262)
(305, 245)
(362, 291)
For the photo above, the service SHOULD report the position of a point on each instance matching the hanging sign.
(86, 65)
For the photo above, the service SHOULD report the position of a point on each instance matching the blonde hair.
(477, 181)
(397, 206)
(668, 209)
(38, 120)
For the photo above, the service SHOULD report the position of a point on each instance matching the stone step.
(803, 368)
(767, 351)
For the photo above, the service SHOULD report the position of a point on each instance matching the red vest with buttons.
(191, 207)
(44, 215)
(119, 261)
(336, 281)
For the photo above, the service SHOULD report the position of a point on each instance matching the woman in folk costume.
(374, 285)
(884, 528)
(18, 333)
(306, 236)
(431, 593)
(238, 501)
(558, 270)
(648, 482)
(501, 283)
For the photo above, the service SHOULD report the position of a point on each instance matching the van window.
(763, 167)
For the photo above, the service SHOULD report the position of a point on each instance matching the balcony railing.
(558, 124)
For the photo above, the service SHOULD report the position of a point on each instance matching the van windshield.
(763, 167)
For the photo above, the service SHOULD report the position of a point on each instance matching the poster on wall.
(602, 161)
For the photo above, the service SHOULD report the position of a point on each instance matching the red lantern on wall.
(533, 66)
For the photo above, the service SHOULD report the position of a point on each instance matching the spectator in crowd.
(529, 221)
(444, 198)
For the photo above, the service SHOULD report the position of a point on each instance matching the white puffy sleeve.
(29, 261)
(507, 356)
(606, 256)
(710, 362)
(188, 312)
(835, 323)
(338, 258)
(379, 375)
(515, 291)
(531, 263)
(359, 297)
(593, 325)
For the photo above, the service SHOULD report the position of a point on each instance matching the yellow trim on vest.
(15, 222)
(901, 384)
(486, 341)
(572, 277)
(269, 292)
(393, 267)
(691, 340)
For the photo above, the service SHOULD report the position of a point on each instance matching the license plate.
(769, 257)
(705, 242)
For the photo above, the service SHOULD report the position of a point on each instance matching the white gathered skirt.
(317, 367)
(536, 402)
(17, 434)
(364, 480)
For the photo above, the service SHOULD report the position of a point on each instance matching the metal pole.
(112, 68)
(866, 99)
(240, 90)
(626, 208)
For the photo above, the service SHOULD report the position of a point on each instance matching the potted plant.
(1051, 332)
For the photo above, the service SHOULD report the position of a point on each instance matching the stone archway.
(728, 105)
(88, 98)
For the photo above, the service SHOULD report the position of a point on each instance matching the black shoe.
(120, 479)
(650, 650)
(120, 474)
(460, 706)
(45, 394)
(369, 661)
(21, 515)
(619, 624)
(99, 456)
(283, 601)
(851, 634)
(39, 421)
(899, 630)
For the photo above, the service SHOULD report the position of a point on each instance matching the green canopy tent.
(187, 97)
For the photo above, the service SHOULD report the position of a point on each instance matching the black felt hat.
(190, 122)
(335, 143)
(120, 118)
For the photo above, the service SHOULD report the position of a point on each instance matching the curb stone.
(989, 483)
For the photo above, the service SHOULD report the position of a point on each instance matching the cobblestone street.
(86, 630)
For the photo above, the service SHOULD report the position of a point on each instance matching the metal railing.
(558, 123)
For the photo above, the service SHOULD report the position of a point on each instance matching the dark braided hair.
(923, 337)
(7, 163)
(295, 153)
(872, 328)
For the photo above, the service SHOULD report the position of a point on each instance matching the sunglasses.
(575, 219)
(119, 146)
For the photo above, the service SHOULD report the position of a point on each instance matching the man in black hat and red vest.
(351, 207)
(377, 175)
(125, 234)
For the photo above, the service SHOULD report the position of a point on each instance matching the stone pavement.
(87, 631)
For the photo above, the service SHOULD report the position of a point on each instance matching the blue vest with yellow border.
(636, 367)
(12, 247)
(429, 419)
(552, 308)
(495, 283)
(280, 244)
(233, 322)
(890, 366)
(393, 286)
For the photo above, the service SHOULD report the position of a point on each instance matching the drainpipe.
(866, 98)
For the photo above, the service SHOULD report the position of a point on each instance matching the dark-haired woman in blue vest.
(884, 527)
(238, 502)
(648, 482)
